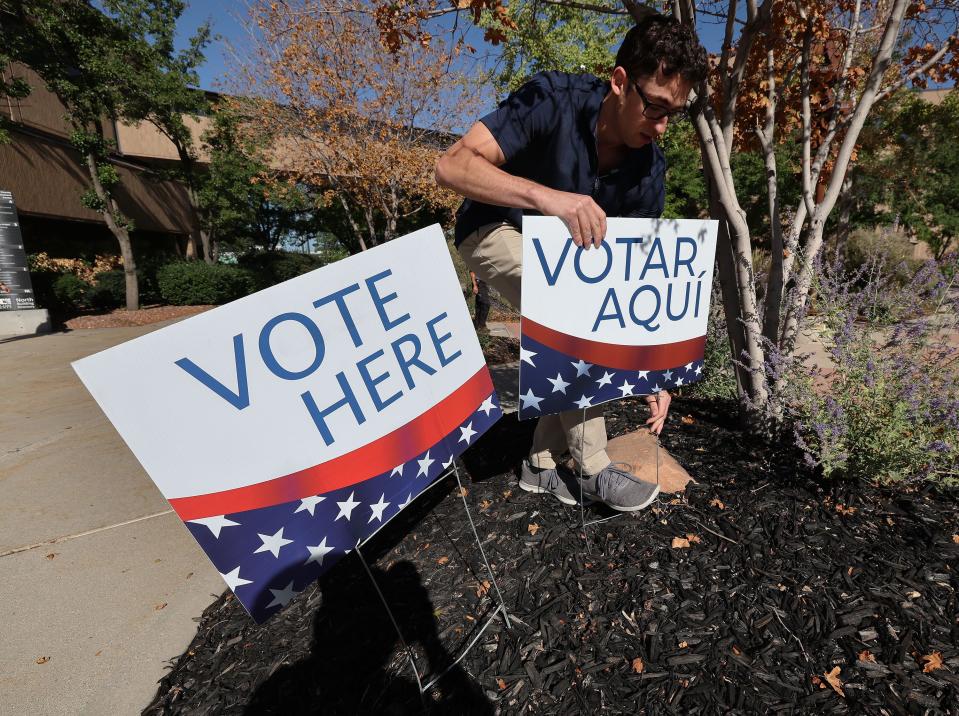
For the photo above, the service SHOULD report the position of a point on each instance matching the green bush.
(193, 283)
(881, 249)
(273, 267)
(71, 292)
(109, 289)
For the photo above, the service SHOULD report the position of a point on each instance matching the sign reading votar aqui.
(286, 427)
(625, 319)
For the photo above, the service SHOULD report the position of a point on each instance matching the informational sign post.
(290, 425)
(625, 319)
(16, 291)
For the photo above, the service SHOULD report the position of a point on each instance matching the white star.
(643, 375)
(282, 597)
(699, 369)
(559, 385)
(626, 388)
(378, 508)
(530, 400)
(584, 402)
(318, 552)
(273, 543)
(215, 524)
(679, 382)
(466, 433)
(409, 499)
(447, 464)
(605, 380)
(425, 464)
(689, 366)
(582, 367)
(526, 356)
(487, 406)
(347, 507)
(398, 470)
(309, 504)
(667, 375)
(656, 388)
(233, 579)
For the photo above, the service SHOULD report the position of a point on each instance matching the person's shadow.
(354, 642)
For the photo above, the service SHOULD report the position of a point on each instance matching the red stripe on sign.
(612, 355)
(370, 460)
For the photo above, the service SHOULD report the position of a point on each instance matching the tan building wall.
(47, 176)
(144, 140)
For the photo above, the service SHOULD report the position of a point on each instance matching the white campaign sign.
(278, 381)
(648, 283)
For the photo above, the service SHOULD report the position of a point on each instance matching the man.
(579, 148)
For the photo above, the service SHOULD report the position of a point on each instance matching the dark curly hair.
(660, 39)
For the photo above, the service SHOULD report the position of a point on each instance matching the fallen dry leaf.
(675, 501)
(955, 538)
(737, 651)
(533, 528)
(933, 662)
(483, 588)
(501, 684)
(716, 502)
(486, 504)
(687, 420)
(680, 543)
(43, 659)
(638, 666)
(818, 682)
(51, 555)
(866, 655)
(443, 560)
(693, 538)
(683, 645)
(833, 678)
(843, 510)
(463, 492)
(507, 494)
(99, 652)
(158, 607)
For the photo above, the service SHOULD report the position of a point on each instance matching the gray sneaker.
(560, 486)
(619, 489)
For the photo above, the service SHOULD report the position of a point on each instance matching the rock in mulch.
(761, 589)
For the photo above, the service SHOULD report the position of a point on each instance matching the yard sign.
(287, 426)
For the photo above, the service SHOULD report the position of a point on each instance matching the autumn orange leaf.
(680, 543)
(833, 678)
(501, 684)
(933, 662)
(486, 504)
(866, 655)
(533, 528)
(443, 560)
(687, 420)
(43, 659)
(483, 588)
(716, 502)
(638, 666)
(693, 538)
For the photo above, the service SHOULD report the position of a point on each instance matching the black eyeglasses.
(651, 110)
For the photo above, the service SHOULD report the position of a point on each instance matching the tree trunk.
(111, 215)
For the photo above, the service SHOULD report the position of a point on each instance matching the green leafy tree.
(168, 78)
(909, 168)
(95, 62)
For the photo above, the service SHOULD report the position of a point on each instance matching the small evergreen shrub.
(71, 292)
(272, 267)
(194, 283)
(109, 289)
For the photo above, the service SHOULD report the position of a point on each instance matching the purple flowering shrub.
(887, 406)
(719, 381)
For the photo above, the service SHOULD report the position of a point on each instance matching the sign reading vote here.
(291, 424)
(627, 318)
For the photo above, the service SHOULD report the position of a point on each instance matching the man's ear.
(619, 81)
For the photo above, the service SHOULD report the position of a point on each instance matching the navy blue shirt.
(547, 131)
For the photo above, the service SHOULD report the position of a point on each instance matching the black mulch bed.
(786, 579)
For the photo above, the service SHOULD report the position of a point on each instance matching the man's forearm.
(470, 174)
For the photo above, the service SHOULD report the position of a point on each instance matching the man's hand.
(583, 216)
(658, 407)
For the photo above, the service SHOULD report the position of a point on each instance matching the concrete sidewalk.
(99, 580)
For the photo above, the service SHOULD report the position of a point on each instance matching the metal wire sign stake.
(500, 609)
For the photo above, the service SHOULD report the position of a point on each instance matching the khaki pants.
(495, 254)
